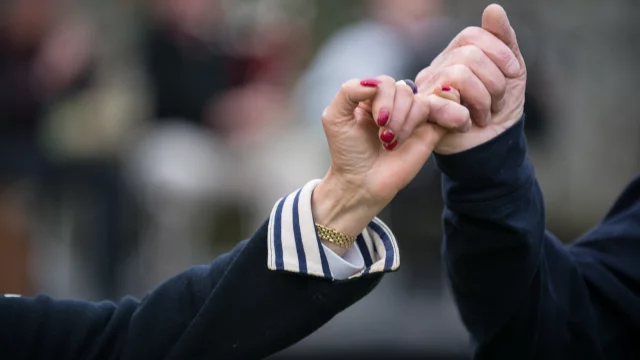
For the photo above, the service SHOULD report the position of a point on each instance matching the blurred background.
(140, 137)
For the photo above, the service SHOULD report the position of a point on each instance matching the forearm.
(251, 312)
(493, 210)
(493, 224)
(46, 328)
(511, 280)
(255, 312)
(494, 246)
(233, 308)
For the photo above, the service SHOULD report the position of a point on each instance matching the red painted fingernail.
(370, 82)
(446, 88)
(387, 136)
(391, 146)
(383, 117)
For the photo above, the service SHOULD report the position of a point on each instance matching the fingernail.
(383, 117)
(370, 82)
(387, 136)
(445, 88)
(391, 146)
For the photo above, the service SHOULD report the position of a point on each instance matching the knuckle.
(425, 77)
(346, 86)
(476, 57)
(471, 32)
(496, 85)
(326, 118)
(472, 52)
(456, 123)
(403, 88)
(438, 59)
(451, 115)
(465, 113)
(346, 91)
(422, 76)
(500, 86)
(423, 109)
(447, 109)
(422, 103)
(442, 58)
(439, 107)
(459, 119)
(504, 56)
(459, 73)
(387, 79)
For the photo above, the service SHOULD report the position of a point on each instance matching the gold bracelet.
(335, 237)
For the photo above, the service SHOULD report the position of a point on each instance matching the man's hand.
(485, 65)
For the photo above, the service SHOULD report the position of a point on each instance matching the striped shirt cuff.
(294, 245)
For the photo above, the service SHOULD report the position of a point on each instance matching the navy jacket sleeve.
(521, 293)
(233, 308)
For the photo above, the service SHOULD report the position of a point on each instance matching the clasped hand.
(380, 133)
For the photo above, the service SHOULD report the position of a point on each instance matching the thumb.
(347, 99)
(496, 21)
(417, 149)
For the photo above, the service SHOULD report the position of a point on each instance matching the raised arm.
(520, 292)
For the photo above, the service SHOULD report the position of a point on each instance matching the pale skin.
(364, 175)
(469, 94)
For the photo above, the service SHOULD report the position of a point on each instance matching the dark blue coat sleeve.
(233, 308)
(521, 293)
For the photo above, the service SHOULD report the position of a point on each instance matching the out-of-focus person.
(44, 56)
(186, 59)
(222, 116)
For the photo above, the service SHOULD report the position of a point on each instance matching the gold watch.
(335, 237)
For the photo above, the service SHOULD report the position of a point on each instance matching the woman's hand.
(379, 138)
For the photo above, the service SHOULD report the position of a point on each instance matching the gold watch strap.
(335, 237)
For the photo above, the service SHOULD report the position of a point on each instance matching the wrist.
(482, 164)
(343, 208)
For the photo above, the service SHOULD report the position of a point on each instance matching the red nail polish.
(370, 82)
(383, 117)
(391, 146)
(387, 136)
(446, 88)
